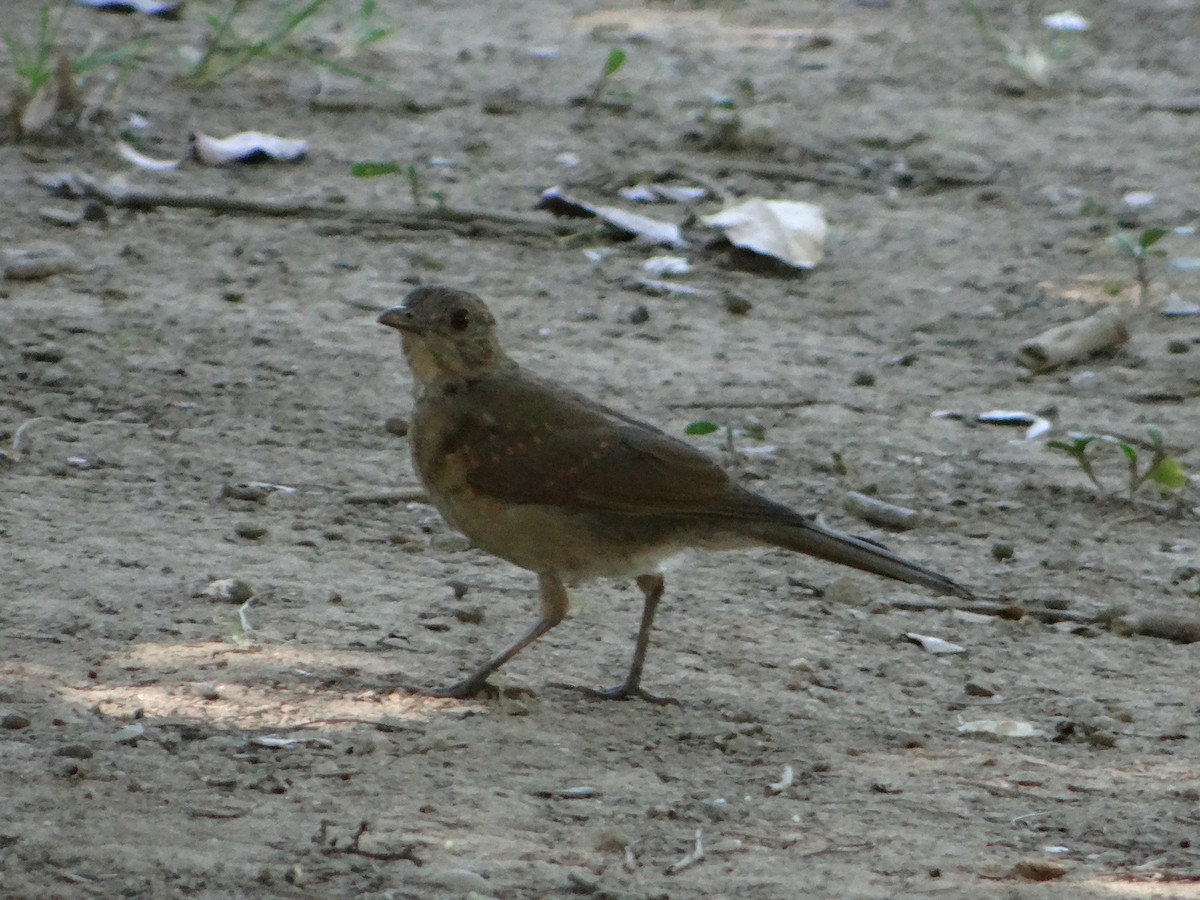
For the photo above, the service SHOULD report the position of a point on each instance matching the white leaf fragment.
(1067, 20)
(653, 193)
(667, 266)
(934, 644)
(130, 154)
(145, 7)
(691, 859)
(785, 782)
(1000, 728)
(554, 201)
(790, 231)
(246, 147)
(1038, 425)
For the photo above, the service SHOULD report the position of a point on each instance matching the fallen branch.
(408, 852)
(1000, 610)
(462, 221)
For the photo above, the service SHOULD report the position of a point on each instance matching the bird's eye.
(459, 320)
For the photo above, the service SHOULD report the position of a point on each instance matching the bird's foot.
(624, 691)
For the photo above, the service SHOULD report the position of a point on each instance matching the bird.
(571, 490)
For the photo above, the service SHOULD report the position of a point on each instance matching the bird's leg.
(652, 587)
(554, 609)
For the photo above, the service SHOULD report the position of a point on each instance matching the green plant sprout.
(612, 65)
(226, 50)
(412, 174)
(1034, 64)
(1140, 253)
(703, 426)
(1162, 469)
(37, 64)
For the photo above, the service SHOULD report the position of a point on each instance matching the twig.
(406, 853)
(691, 859)
(795, 403)
(1001, 610)
(463, 221)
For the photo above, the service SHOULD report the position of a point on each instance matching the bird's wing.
(524, 440)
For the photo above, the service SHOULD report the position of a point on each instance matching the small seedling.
(612, 65)
(227, 50)
(1033, 63)
(1161, 468)
(35, 64)
(412, 174)
(49, 90)
(702, 427)
(1140, 252)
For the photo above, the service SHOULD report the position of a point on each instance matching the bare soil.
(152, 748)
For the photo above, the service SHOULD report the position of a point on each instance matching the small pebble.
(461, 880)
(250, 531)
(62, 216)
(74, 751)
(460, 588)
(612, 840)
(976, 688)
(37, 261)
(737, 305)
(396, 425)
(14, 721)
(229, 590)
(247, 492)
(639, 315)
(45, 353)
(469, 615)
(1002, 551)
(863, 378)
(53, 377)
(1178, 346)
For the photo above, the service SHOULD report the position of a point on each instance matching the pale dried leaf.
(247, 147)
(132, 155)
(790, 231)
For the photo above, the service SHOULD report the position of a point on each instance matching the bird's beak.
(398, 317)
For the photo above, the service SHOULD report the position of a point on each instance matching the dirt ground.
(153, 747)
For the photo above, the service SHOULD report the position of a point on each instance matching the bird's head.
(447, 334)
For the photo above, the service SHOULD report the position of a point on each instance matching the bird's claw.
(624, 691)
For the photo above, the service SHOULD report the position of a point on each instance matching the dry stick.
(470, 221)
(1002, 610)
(408, 852)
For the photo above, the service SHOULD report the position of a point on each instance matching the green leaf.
(1076, 447)
(374, 35)
(1156, 436)
(1125, 245)
(701, 427)
(757, 432)
(1169, 473)
(1150, 237)
(374, 169)
(1130, 453)
(616, 59)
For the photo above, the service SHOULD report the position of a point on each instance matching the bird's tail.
(803, 536)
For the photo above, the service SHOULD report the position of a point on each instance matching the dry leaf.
(790, 231)
(159, 8)
(55, 97)
(246, 147)
(130, 154)
(554, 201)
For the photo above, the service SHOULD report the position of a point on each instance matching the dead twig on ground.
(462, 221)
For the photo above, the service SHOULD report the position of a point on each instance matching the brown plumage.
(555, 483)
